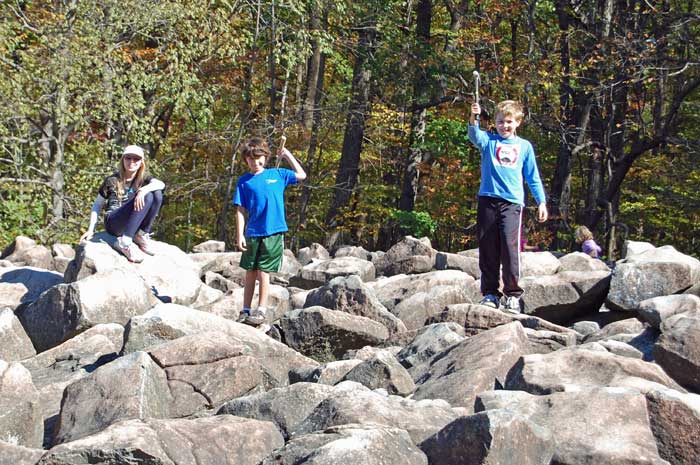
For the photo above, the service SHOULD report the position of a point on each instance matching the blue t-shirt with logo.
(262, 195)
(504, 164)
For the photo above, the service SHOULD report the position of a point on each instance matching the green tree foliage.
(610, 90)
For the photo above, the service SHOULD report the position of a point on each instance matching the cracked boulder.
(130, 387)
(219, 440)
(205, 370)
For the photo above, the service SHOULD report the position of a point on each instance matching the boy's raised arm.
(296, 166)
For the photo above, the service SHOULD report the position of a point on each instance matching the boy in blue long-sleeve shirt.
(506, 160)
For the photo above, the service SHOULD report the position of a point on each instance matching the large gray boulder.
(353, 251)
(349, 294)
(472, 366)
(205, 370)
(112, 296)
(325, 334)
(26, 252)
(63, 254)
(225, 264)
(217, 440)
(383, 371)
(130, 387)
(490, 437)
(170, 273)
(564, 296)
(350, 445)
(313, 252)
(209, 246)
(579, 261)
(319, 272)
(675, 422)
(602, 426)
(392, 291)
(419, 308)
(23, 285)
(14, 342)
(560, 370)
(12, 454)
(21, 422)
(678, 348)
(454, 261)
(286, 407)
(476, 319)
(408, 256)
(630, 331)
(538, 264)
(428, 342)
(652, 273)
(352, 403)
(329, 373)
(56, 368)
(658, 309)
(166, 322)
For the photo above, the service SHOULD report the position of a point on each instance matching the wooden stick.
(283, 140)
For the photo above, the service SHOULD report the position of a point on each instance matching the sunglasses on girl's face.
(132, 159)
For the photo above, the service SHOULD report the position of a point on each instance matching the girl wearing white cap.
(133, 200)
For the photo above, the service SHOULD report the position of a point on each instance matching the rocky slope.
(372, 358)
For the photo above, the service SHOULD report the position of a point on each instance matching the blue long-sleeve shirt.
(504, 165)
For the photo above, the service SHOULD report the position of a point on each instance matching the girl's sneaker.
(131, 252)
(145, 243)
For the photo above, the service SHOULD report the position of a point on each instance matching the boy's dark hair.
(255, 147)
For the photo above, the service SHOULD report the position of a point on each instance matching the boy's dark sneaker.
(490, 300)
(512, 305)
(245, 313)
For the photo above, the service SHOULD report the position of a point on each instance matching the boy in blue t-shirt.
(260, 194)
(505, 160)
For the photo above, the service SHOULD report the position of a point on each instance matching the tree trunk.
(245, 116)
(348, 170)
(306, 191)
(314, 66)
(411, 181)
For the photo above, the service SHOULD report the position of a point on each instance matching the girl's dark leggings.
(125, 221)
(498, 231)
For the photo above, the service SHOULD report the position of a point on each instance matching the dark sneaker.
(131, 252)
(244, 315)
(512, 305)
(256, 317)
(145, 243)
(490, 300)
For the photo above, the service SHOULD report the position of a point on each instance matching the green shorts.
(263, 253)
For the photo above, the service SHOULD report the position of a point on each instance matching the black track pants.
(498, 232)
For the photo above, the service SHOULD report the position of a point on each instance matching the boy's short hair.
(255, 147)
(510, 108)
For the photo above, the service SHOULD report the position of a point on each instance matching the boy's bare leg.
(249, 290)
(264, 289)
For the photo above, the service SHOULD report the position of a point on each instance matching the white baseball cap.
(133, 150)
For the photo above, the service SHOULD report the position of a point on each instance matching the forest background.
(373, 98)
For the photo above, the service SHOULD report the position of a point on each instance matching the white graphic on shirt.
(507, 154)
(271, 181)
